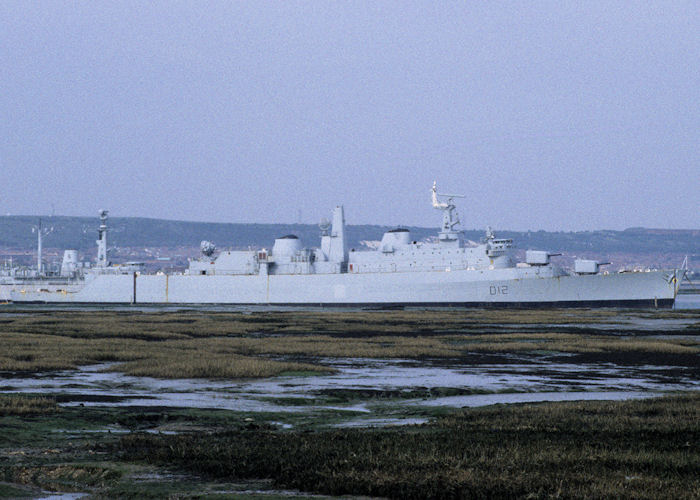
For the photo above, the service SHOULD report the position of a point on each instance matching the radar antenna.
(207, 248)
(324, 226)
(436, 203)
(450, 218)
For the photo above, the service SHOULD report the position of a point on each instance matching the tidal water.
(688, 302)
(520, 380)
(390, 391)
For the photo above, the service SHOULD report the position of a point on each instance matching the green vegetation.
(634, 449)
(8, 491)
(640, 449)
(76, 449)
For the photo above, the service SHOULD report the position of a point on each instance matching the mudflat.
(400, 404)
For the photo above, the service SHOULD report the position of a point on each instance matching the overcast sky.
(546, 115)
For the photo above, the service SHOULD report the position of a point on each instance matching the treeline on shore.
(80, 233)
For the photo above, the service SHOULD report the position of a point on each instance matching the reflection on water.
(377, 391)
(483, 384)
(687, 301)
(61, 496)
(490, 399)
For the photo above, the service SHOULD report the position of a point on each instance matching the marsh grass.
(207, 364)
(170, 325)
(575, 343)
(65, 477)
(7, 491)
(175, 359)
(449, 346)
(634, 449)
(22, 405)
(232, 345)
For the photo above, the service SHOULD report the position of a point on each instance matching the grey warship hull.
(399, 272)
(654, 289)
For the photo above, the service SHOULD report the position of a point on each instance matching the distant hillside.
(80, 233)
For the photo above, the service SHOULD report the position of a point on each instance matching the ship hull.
(587, 304)
(465, 288)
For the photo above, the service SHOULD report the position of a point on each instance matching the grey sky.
(546, 115)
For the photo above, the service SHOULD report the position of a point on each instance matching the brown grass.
(175, 359)
(170, 325)
(232, 345)
(23, 405)
(207, 364)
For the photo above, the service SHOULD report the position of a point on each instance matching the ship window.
(202, 272)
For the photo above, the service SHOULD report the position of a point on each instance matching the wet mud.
(373, 387)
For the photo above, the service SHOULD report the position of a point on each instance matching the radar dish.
(324, 225)
(207, 248)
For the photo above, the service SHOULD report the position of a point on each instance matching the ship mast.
(102, 240)
(450, 218)
(41, 232)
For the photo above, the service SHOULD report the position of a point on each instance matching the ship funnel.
(394, 239)
(70, 262)
(338, 251)
(286, 246)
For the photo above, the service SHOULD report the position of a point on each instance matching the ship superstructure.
(397, 252)
(401, 271)
(18, 282)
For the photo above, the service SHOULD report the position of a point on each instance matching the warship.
(399, 272)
